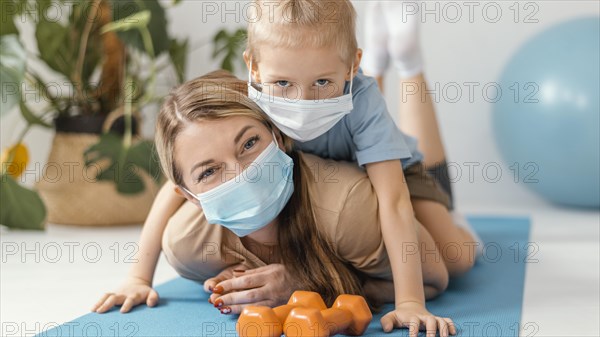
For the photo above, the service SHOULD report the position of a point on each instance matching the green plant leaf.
(229, 47)
(143, 154)
(12, 71)
(7, 23)
(53, 41)
(134, 21)
(178, 53)
(30, 117)
(157, 24)
(125, 162)
(19, 206)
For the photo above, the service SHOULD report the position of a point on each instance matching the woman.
(325, 238)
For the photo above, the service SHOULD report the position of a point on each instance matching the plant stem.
(147, 39)
(77, 76)
(127, 111)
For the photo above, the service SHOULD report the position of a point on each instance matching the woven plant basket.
(74, 196)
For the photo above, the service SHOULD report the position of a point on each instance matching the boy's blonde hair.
(303, 23)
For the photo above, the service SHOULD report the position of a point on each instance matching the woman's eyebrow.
(200, 164)
(235, 141)
(241, 133)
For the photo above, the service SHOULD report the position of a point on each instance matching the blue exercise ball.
(547, 121)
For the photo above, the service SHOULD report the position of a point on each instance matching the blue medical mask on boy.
(254, 198)
(302, 120)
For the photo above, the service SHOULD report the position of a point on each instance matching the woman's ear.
(279, 139)
(356, 64)
(186, 195)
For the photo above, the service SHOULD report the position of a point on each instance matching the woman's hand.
(235, 288)
(414, 316)
(135, 291)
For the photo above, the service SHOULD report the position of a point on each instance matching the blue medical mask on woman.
(302, 120)
(254, 198)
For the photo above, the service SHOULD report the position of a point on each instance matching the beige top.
(345, 207)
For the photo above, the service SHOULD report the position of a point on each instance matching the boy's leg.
(417, 118)
(375, 55)
(458, 246)
(392, 32)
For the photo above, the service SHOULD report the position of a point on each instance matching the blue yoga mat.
(485, 302)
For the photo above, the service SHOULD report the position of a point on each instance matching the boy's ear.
(186, 195)
(356, 63)
(254, 69)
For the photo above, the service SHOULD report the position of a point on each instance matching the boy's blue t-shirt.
(367, 134)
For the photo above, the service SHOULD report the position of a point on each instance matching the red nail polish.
(218, 303)
(210, 288)
(218, 290)
(225, 310)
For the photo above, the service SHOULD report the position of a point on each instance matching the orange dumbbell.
(349, 315)
(257, 321)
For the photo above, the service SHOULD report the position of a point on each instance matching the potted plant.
(108, 54)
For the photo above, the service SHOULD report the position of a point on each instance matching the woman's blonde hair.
(305, 253)
(302, 23)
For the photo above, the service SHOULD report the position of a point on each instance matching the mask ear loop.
(275, 138)
(351, 77)
(250, 73)
(190, 193)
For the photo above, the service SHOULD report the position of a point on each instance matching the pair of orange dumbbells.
(306, 314)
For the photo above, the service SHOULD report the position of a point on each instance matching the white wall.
(468, 50)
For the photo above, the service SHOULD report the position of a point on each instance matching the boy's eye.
(250, 143)
(283, 84)
(322, 83)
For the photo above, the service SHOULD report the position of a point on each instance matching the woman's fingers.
(211, 283)
(243, 282)
(237, 309)
(240, 297)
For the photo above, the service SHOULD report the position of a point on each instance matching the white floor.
(54, 276)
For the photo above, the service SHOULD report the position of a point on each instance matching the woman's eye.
(250, 143)
(322, 83)
(204, 175)
(283, 84)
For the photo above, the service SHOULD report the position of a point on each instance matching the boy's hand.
(269, 285)
(135, 291)
(414, 316)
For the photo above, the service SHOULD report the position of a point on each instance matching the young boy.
(304, 56)
(305, 59)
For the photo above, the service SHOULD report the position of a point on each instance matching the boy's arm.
(165, 204)
(398, 229)
(399, 235)
(137, 288)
